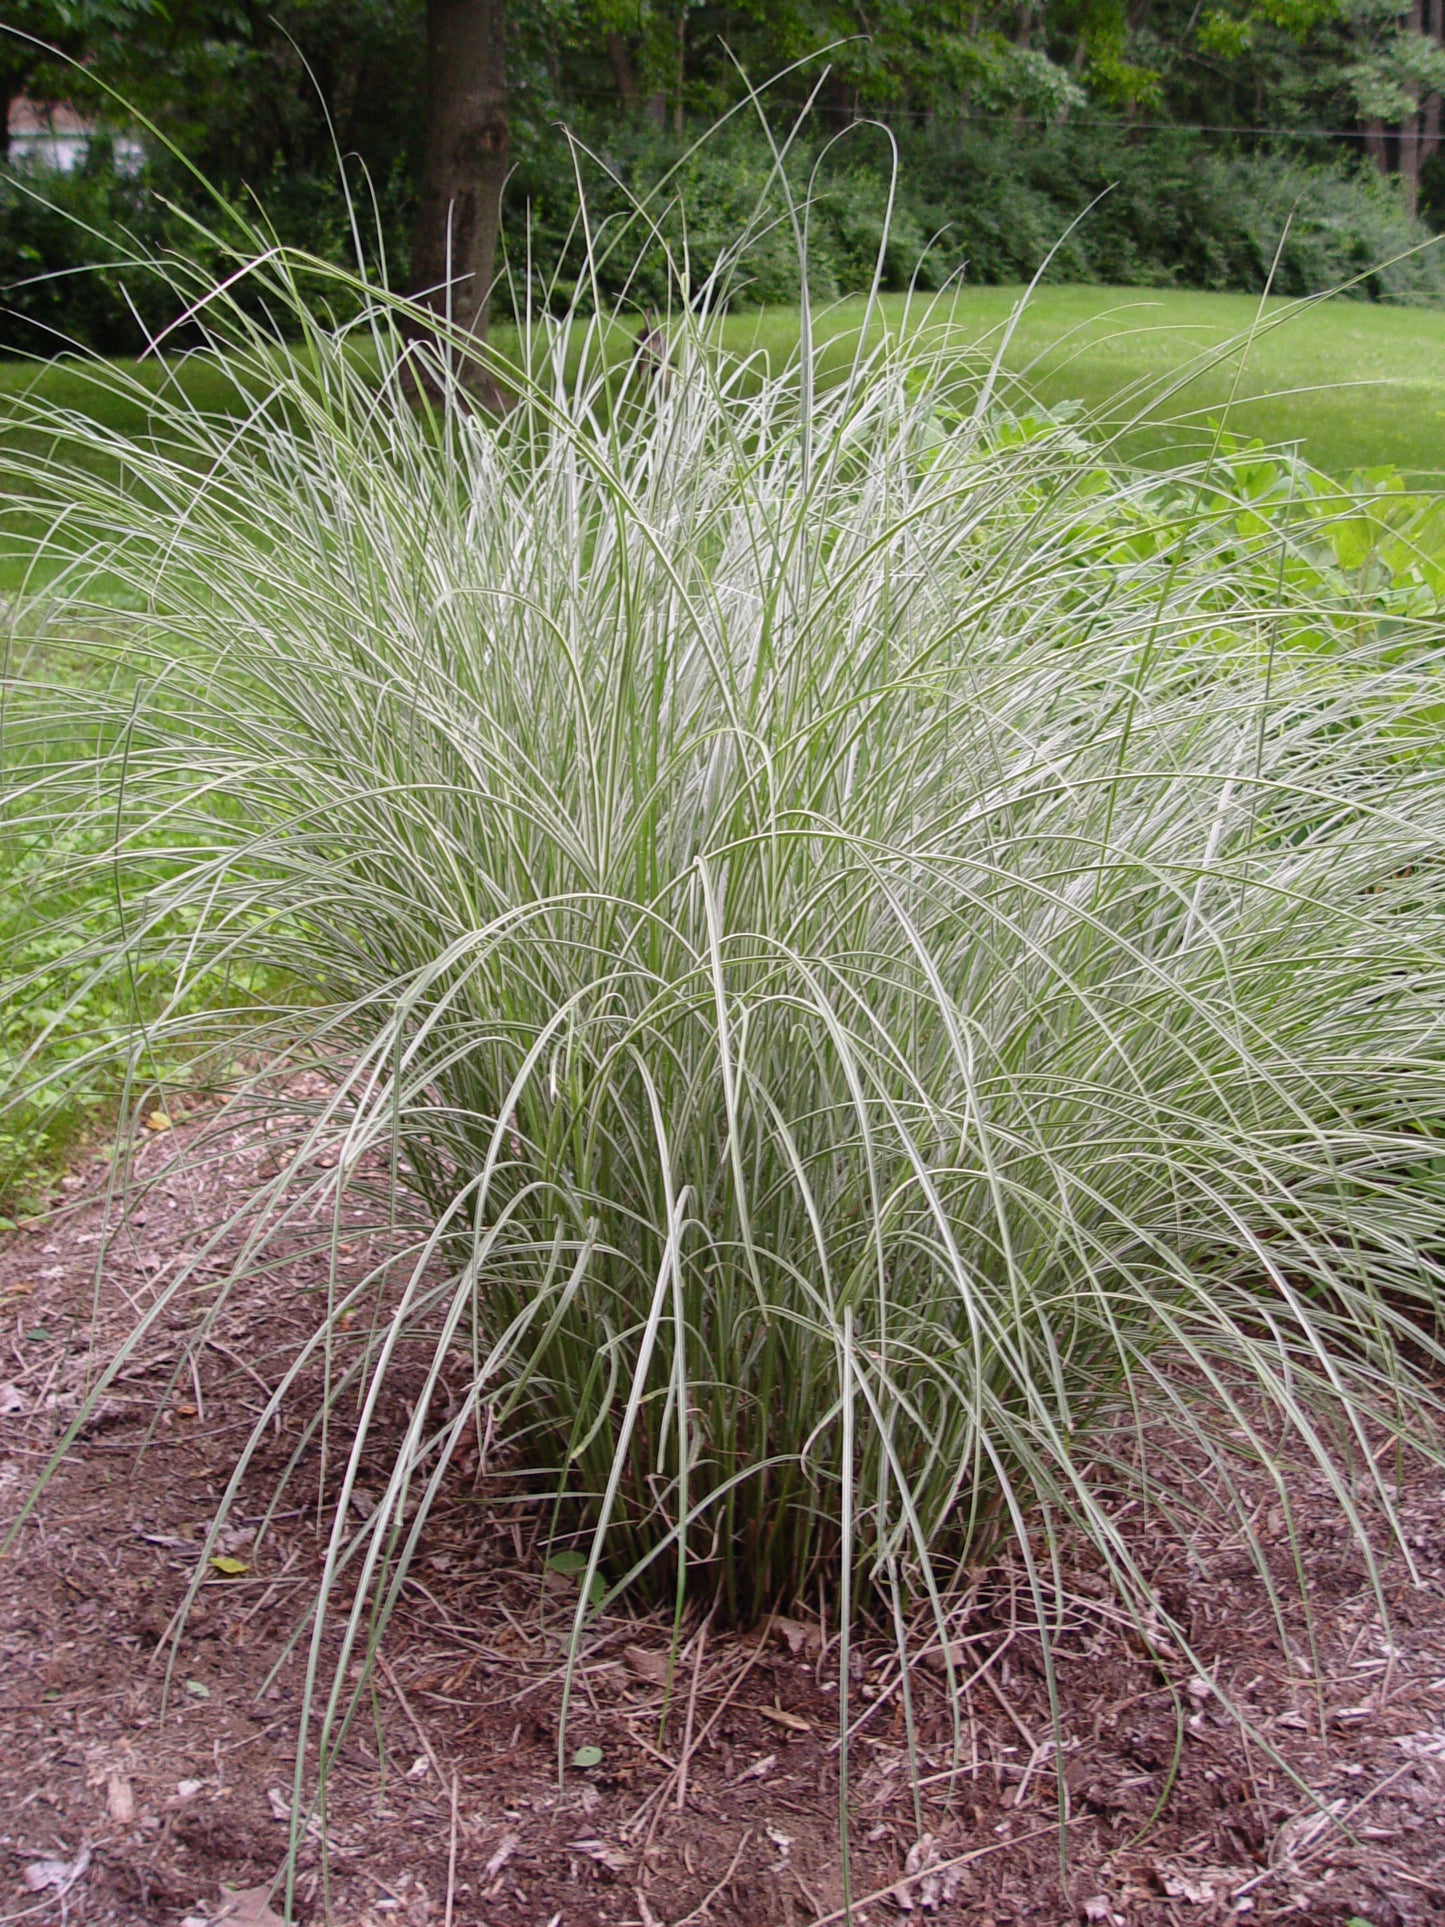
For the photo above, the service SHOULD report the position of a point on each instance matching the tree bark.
(464, 163)
(624, 71)
(1430, 118)
(1408, 132)
(1409, 135)
(1375, 145)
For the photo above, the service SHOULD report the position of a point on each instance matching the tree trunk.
(624, 71)
(1430, 119)
(1410, 164)
(464, 164)
(1409, 131)
(1375, 144)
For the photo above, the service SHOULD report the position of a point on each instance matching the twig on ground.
(711, 1895)
(405, 1704)
(687, 1724)
(452, 1852)
(997, 1692)
(664, 1787)
(906, 1880)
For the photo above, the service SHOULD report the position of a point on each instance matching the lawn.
(1354, 384)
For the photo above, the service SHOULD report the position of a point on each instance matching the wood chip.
(794, 1722)
(647, 1664)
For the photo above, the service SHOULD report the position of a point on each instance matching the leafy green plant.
(864, 943)
(1165, 210)
(67, 1027)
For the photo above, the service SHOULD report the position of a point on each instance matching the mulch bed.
(141, 1782)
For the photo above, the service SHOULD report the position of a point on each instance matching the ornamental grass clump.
(857, 945)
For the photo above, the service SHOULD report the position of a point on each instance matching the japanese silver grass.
(870, 945)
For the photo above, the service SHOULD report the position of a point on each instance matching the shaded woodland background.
(1207, 129)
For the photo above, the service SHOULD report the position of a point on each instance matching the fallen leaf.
(793, 1721)
(928, 1883)
(612, 1858)
(119, 1799)
(937, 1660)
(10, 1401)
(188, 1789)
(797, 1637)
(419, 1768)
(59, 1874)
(758, 1770)
(647, 1665)
(279, 1803)
(505, 1848)
(198, 1690)
(1097, 1908)
(228, 1567)
(1302, 1831)
(1204, 1886)
(247, 1907)
(158, 1121)
(587, 1756)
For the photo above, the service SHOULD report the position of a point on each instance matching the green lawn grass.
(1354, 384)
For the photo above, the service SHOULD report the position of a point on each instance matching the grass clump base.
(871, 945)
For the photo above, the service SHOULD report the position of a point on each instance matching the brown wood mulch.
(129, 1796)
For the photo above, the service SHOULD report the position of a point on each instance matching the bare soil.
(156, 1773)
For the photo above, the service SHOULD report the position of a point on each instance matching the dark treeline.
(1205, 127)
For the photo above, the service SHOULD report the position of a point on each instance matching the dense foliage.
(1169, 211)
(1206, 127)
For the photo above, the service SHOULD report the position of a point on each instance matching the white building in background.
(50, 135)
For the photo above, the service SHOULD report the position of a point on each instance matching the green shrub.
(59, 239)
(1171, 211)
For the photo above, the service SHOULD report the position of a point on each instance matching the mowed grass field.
(1351, 384)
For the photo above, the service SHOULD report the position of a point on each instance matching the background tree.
(1206, 120)
(73, 28)
(465, 145)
